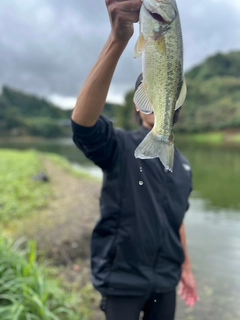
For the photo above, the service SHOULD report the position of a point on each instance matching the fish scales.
(161, 47)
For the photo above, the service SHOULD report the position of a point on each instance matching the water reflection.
(216, 174)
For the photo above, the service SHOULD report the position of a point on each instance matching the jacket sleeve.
(98, 143)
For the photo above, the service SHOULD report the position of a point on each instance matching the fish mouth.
(165, 12)
(158, 17)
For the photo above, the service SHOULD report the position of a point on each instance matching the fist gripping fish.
(163, 89)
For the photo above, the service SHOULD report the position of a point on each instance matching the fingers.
(124, 10)
(121, 17)
(123, 13)
(189, 295)
(130, 5)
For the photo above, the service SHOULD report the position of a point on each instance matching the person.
(138, 247)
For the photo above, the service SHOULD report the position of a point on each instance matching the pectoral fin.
(139, 47)
(182, 95)
(141, 100)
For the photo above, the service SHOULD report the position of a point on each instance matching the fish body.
(163, 88)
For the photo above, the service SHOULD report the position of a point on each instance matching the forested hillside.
(23, 114)
(213, 99)
(213, 103)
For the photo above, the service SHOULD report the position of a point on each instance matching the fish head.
(165, 11)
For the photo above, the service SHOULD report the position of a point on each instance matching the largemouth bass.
(163, 89)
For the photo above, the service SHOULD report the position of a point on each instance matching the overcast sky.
(48, 47)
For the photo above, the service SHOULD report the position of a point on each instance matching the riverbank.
(63, 229)
(63, 225)
(221, 138)
(217, 138)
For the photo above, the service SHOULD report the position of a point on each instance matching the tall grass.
(26, 290)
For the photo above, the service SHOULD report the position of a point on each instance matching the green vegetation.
(20, 194)
(23, 114)
(28, 291)
(219, 65)
(211, 138)
(212, 104)
(235, 138)
(67, 166)
(216, 172)
(125, 115)
(213, 97)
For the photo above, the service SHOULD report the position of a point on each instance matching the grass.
(235, 138)
(20, 193)
(213, 138)
(210, 138)
(67, 166)
(28, 291)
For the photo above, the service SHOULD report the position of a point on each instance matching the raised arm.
(91, 100)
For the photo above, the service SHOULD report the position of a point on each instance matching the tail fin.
(153, 146)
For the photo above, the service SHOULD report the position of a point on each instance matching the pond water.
(212, 224)
(213, 237)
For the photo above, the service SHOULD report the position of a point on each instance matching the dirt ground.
(63, 230)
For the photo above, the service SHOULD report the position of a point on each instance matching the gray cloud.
(209, 26)
(48, 47)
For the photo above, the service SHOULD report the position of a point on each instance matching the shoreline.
(221, 138)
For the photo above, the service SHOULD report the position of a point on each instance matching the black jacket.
(135, 244)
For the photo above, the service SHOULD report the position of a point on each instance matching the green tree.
(125, 115)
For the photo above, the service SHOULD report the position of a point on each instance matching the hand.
(188, 288)
(123, 13)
